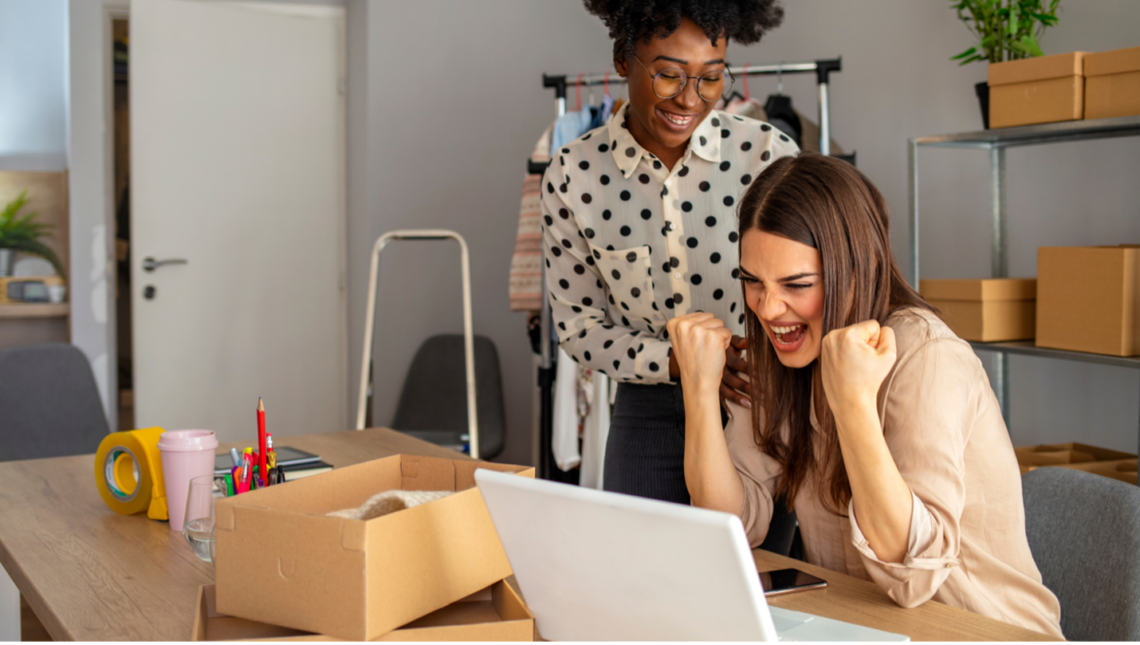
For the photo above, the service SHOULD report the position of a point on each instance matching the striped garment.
(526, 263)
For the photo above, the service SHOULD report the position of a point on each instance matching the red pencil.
(261, 443)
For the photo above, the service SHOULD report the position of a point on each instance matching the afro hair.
(633, 21)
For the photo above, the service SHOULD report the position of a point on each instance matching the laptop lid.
(602, 566)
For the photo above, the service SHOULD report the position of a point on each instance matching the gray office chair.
(433, 402)
(49, 403)
(1084, 532)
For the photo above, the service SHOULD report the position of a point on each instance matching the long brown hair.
(830, 206)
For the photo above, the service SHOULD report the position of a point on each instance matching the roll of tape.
(128, 473)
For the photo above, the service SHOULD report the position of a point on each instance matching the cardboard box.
(1112, 83)
(987, 310)
(1066, 454)
(282, 560)
(1087, 299)
(496, 613)
(1037, 90)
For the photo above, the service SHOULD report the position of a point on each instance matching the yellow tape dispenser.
(128, 473)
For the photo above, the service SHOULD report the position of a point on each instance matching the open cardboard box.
(280, 559)
(1123, 469)
(1065, 454)
(496, 613)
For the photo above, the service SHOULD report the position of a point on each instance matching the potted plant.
(23, 234)
(1005, 30)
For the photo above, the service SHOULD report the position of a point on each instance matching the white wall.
(33, 43)
(897, 83)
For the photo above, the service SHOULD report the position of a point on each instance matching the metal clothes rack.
(822, 69)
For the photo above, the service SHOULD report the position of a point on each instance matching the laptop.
(595, 566)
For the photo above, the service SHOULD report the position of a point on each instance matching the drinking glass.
(199, 525)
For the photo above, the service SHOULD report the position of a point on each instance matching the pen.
(246, 470)
(235, 456)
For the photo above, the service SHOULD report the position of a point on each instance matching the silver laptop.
(602, 566)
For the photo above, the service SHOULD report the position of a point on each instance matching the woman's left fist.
(854, 362)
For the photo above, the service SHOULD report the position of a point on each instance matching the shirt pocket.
(628, 276)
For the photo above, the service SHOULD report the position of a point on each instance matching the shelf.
(1125, 126)
(1027, 348)
(44, 310)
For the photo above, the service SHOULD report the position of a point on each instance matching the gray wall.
(442, 133)
(33, 103)
(454, 106)
(897, 83)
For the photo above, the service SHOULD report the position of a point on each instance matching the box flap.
(1117, 61)
(980, 289)
(1036, 69)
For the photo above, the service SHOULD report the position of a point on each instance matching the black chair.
(1084, 532)
(49, 403)
(433, 402)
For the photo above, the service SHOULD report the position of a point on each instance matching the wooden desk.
(90, 574)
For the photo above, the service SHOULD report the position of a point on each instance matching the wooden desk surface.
(91, 574)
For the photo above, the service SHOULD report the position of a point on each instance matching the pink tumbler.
(186, 454)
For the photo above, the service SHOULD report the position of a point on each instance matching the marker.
(261, 440)
(235, 456)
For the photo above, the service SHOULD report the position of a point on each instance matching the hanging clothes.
(753, 109)
(525, 286)
(581, 415)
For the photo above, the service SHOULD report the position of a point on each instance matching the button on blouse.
(629, 243)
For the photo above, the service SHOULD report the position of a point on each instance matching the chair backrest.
(434, 396)
(49, 403)
(1084, 532)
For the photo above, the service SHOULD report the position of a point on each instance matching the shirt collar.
(627, 152)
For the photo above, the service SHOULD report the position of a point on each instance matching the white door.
(238, 167)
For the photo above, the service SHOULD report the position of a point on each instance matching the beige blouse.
(943, 426)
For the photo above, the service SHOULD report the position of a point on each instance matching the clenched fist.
(699, 343)
(854, 362)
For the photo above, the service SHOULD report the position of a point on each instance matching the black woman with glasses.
(640, 222)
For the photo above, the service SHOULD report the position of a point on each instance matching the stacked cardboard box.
(1088, 299)
(1101, 461)
(1037, 90)
(282, 560)
(986, 310)
(494, 614)
(1112, 83)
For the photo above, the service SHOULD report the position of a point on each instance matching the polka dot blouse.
(629, 243)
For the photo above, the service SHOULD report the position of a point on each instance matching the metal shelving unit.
(996, 141)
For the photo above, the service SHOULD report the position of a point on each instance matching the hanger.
(780, 111)
(737, 95)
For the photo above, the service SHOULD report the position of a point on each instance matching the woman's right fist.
(699, 343)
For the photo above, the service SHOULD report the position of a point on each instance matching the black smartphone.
(789, 581)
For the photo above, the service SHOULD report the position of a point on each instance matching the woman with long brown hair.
(869, 415)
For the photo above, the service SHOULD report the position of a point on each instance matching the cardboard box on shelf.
(986, 310)
(280, 559)
(496, 613)
(1088, 300)
(1112, 83)
(1037, 90)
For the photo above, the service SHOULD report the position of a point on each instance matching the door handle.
(150, 264)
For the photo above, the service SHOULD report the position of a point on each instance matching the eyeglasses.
(670, 82)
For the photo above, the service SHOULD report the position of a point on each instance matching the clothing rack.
(823, 69)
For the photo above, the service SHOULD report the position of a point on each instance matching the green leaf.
(1029, 45)
(964, 54)
(36, 248)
